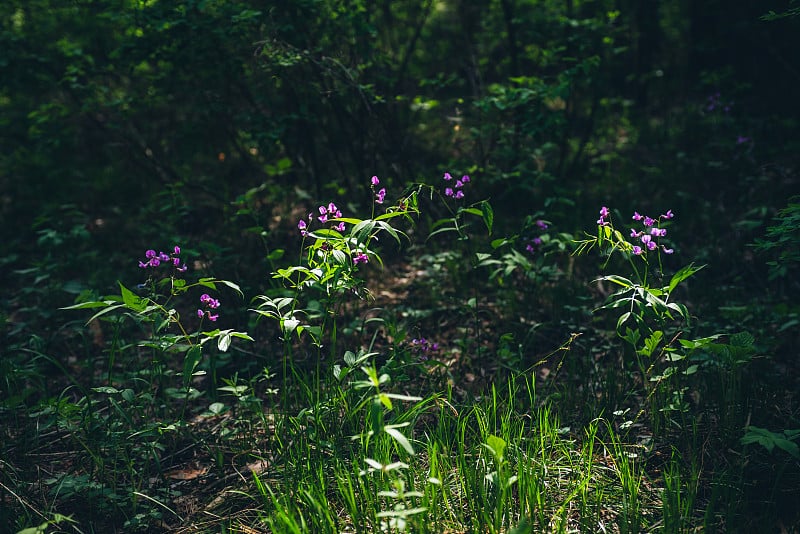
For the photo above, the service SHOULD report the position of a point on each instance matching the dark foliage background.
(131, 124)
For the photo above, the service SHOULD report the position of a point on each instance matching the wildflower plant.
(155, 303)
(526, 251)
(453, 196)
(334, 250)
(651, 321)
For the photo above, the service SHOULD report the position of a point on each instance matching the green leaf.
(742, 339)
(682, 275)
(397, 396)
(386, 227)
(132, 300)
(89, 305)
(362, 231)
(108, 390)
(385, 400)
(399, 438)
(289, 325)
(233, 286)
(190, 362)
(442, 230)
(488, 215)
(788, 446)
(619, 280)
(497, 446)
(105, 311)
(207, 282)
(276, 254)
(472, 211)
(391, 215)
(651, 343)
(621, 321)
(224, 341)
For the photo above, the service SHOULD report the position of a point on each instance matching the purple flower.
(459, 184)
(530, 248)
(380, 195)
(603, 214)
(423, 345)
(150, 254)
(375, 181)
(667, 250)
(360, 258)
(634, 233)
(155, 262)
(209, 301)
(637, 250)
(332, 209)
(301, 225)
(447, 176)
(183, 268)
(176, 250)
(322, 210)
(668, 215)
(649, 221)
(459, 194)
(448, 191)
(340, 226)
(537, 241)
(541, 224)
(651, 245)
(636, 216)
(465, 179)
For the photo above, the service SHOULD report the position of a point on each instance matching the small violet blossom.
(457, 190)
(325, 212)
(212, 304)
(603, 214)
(652, 230)
(360, 258)
(155, 259)
(423, 347)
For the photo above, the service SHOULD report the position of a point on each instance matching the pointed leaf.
(400, 439)
(488, 215)
(132, 300)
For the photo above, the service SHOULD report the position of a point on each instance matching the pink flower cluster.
(210, 303)
(156, 259)
(649, 234)
(456, 191)
(325, 212)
